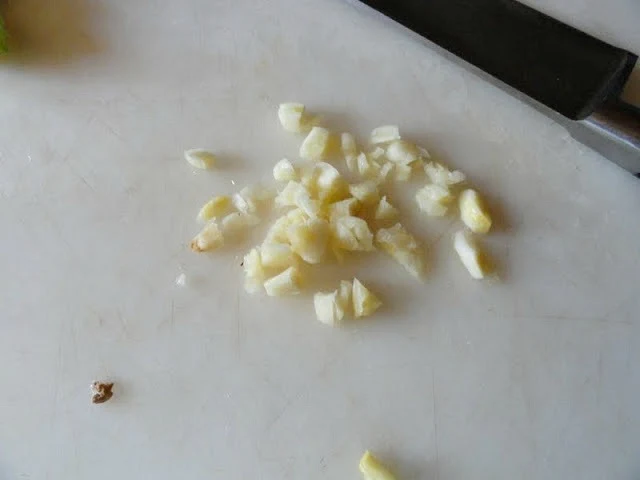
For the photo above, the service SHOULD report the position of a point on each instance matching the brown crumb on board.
(102, 392)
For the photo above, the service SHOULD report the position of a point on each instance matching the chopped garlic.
(292, 117)
(352, 163)
(348, 144)
(373, 469)
(330, 185)
(434, 199)
(424, 153)
(472, 257)
(385, 212)
(384, 134)
(402, 247)
(402, 152)
(343, 208)
(200, 158)
(254, 271)
(214, 208)
(277, 233)
(284, 171)
(328, 310)
(286, 283)
(287, 197)
(402, 173)
(244, 204)
(209, 238)
(366, 192)
(473, 212)
(385, 170)
(237, 222)
(314, 146)
(377, 153)
(364, 302)
(352, 234)
(295, 194)
(441, 175)
(344, 296)
(367, 167)
(309, 239)
(277, 255)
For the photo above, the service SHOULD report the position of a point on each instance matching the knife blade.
(563, 72)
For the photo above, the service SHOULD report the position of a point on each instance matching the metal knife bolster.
(574, 78)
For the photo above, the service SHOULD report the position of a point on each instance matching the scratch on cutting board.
(238, 324)
(571, 318)
(123, 322)
(435, 421)
(57, 376)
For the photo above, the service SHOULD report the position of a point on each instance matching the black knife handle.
(553, 63)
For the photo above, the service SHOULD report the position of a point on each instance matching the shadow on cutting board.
(46, 33)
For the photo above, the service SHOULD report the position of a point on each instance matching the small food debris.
(200, 158)
(374, 469)
(101, 392)
(181, 280)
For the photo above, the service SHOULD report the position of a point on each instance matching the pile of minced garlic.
(324, 217)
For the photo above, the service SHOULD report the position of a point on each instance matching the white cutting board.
(534, 376)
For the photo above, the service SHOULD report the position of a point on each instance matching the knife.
(570, 76)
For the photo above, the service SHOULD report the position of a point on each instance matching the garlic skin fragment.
(384, 134)
(374, 469)
(315, 144)
(472, 257)
(364, 301)
(434, 200)
(200, 158)
(473, 212)
(209, 238)
(284, 171)
(283, 284)
(292, 117)
(214, 208)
